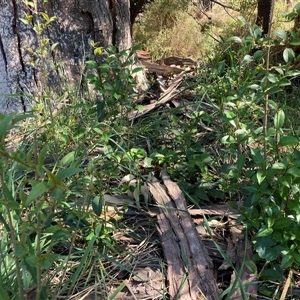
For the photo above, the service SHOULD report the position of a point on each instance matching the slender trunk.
(264, 14)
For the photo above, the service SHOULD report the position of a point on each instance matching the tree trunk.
(207, 5)
(265, 14)
(78, 23)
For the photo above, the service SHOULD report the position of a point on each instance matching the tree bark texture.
(265, 14)
(78, 23)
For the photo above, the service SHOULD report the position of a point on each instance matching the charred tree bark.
(207, 5)
(78, 23)
(265, 14)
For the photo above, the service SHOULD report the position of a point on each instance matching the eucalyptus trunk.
(76, 25)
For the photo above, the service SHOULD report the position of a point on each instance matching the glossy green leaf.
(294, 171)
(264, 232)
(281, 34)
(97, 205)
(288, 141)
(287, 261)
(279, 119)
(257, 156)
(295, 41)
(282, 222)
(288, 55)
(273, 90)
(235, 39)
(278, 166)
(260, 176)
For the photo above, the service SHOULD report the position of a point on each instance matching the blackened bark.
(106, 22)
(265, 14)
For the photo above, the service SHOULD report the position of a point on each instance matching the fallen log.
(189, 268)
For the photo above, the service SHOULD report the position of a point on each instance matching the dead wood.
(178, 61)
(190, 273)
(167, 96)
(159, 69)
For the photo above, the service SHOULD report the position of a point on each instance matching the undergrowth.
(57, 233)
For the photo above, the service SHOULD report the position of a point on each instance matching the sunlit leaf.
(288, 55)
(279, 119)
(68, 158)
(235, 39)
(281, 34)
(264, 232)
(260, 176)
(294, 171)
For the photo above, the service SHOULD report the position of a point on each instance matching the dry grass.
(188, 35)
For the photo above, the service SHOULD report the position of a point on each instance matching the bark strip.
(190, 273)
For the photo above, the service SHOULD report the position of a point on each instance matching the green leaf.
(295, 42)
(288, 55)
(117, 290)
(274, 274)
(97, 205)
(31, 260)
(3, 294)
(297, 7)
(284, 82)
(22, 117)
(272, 78)
(282, 222)
(257, 156)
(278, 166)
(101, 111)
(67, 159)
(288, 141)
(48, 260)
(273, 90)
(92, 65)
(264, 232)
(281, 34)
(54, 46)
(62, 174)
(59, 234)
(294, 171)
(260, 176)
(37, 191)
(148, 161)
(99, 230)
(235, 39)
(251, 265)
(287, 261)
(42, 155)
(5, 124)
(228, 139)
(79, 133)
(279, 119)
(199, 193)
